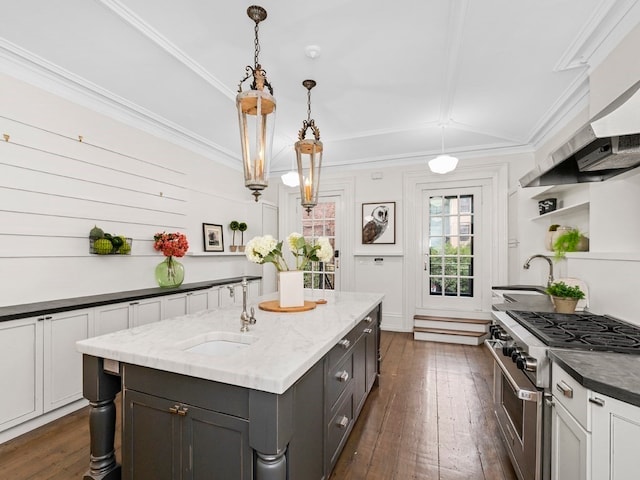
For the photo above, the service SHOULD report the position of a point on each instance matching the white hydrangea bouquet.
(267, 249)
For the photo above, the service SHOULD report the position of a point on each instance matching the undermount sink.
(219, 343)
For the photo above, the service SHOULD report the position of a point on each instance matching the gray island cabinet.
(202, 400)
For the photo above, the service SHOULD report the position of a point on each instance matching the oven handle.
(528, 395)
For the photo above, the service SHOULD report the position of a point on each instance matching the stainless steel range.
(522, 374)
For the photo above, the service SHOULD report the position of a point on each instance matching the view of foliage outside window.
(451, 253)
(320, 222)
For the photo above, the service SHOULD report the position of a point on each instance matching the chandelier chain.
(257, 46)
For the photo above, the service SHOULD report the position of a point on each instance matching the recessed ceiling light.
(312, 51)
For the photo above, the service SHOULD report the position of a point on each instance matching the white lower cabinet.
(62, 372)
(571, 444)
(120, 316)
(616, 430)
(40, 367)
(111, 318)
(145, 311)
(593, 436)
(20, 371)
(180, 304)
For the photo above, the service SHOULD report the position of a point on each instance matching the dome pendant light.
(309, 156)
(443, 163)
(256, 114)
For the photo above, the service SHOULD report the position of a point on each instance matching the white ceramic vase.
(291, 288)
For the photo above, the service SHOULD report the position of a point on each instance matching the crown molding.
(35, 70)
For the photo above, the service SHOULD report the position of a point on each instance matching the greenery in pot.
(562, 290)
(234, 226)
(243, 228)
(568, 241)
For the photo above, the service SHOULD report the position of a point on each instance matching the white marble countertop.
(283, 346)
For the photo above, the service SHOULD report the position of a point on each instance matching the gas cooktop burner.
(585, 331)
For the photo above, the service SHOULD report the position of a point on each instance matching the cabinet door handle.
(566, 390)
(183, 411)
(48, 317)
(343, 422)
(597, 401)
(174, 409)
(368, 330)
(344, 343)
(134, 303)
(343, 376)
(368, 319)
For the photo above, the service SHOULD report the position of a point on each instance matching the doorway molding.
(493, 178)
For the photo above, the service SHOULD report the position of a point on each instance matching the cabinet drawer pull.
(344, 343)
(368, 330)
(597, 401)
(368, 319)
(566, 390)
(343, 376)
(183, 411)
(174, 409)
(343, 422)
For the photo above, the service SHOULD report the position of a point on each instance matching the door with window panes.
(451, 240)
(321, 222)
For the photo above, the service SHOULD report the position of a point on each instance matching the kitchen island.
(199, 396)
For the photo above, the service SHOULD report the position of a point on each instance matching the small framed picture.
(379, 223)
(212, 235)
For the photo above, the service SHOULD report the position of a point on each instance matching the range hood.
(606, 147)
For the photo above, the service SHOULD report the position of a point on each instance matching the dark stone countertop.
(14, 312)
(616, 375)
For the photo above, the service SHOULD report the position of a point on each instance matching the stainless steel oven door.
(518, 405)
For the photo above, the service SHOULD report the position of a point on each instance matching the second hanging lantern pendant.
(309, 156)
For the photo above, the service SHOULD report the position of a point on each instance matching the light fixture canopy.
(309, 156)
(443, 163)
(256, 115)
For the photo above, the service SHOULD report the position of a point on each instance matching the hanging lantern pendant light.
(256, 115)
(309, 156)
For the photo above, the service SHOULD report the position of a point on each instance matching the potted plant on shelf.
(234, 226)
(568, 239)
(564, 297)
(243, 228)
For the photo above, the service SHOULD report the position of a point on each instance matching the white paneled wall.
(64, 169)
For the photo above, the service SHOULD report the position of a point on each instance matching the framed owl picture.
(378, 223)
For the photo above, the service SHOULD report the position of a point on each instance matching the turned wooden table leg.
(100, 388)
(271, 467)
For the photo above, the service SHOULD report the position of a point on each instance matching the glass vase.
(169, 273)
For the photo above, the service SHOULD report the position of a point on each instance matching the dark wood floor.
(429, 419)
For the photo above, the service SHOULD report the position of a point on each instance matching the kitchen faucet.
(528, 262)
(245, 318)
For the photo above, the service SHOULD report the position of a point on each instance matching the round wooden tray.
(274, 306)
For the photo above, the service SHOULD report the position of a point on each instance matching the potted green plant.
(564, 297)
(569, 240)
(243, 228)
(234, 226)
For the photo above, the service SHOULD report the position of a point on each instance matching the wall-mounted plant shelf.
(101, 247)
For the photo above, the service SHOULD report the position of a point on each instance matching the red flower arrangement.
(171, 244)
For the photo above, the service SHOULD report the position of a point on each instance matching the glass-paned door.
(450, 233)
(321, 222)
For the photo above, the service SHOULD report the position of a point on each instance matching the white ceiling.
(500, 74)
